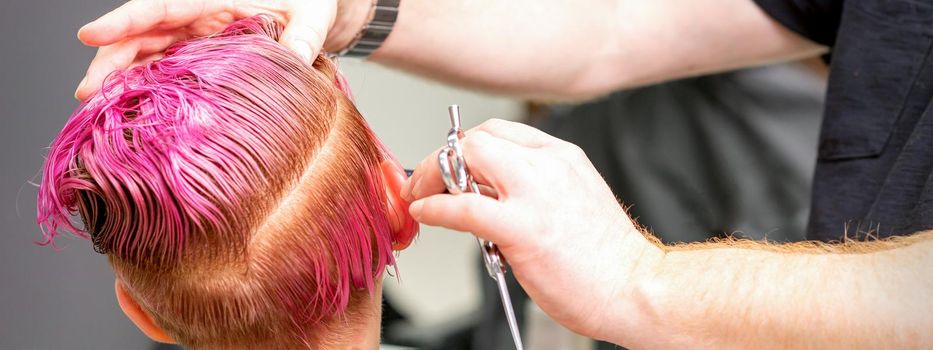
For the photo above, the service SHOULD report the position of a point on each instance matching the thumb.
(467, 212)
(307, 29)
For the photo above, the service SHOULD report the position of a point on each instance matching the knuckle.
(492, 123)
(567, 170)
(571, 152)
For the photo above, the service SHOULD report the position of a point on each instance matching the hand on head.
(551, 213)
(554, 219)
(233, 214)
(140, 30)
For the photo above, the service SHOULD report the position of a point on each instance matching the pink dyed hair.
(235, 189)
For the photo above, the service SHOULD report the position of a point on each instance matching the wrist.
(635, 313)
(352, 16)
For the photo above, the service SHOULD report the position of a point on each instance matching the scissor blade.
(509, 312)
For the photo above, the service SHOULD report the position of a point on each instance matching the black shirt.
(874, 174)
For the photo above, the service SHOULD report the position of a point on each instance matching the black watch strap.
(375, 32)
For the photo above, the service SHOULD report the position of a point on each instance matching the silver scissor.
(457, 177)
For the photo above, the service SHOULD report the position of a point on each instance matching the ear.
(403, 225)
(139, 316)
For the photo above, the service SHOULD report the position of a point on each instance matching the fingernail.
(415, 210)
(80, 87)
(415, 189)
(406, 190)
(302, 49)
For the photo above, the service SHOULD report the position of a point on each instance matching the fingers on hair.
(173, 166)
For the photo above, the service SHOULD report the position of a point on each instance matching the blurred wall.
(64, 299)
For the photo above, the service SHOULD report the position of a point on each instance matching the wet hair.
(235, 189)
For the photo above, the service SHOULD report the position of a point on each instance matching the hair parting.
(235, 189)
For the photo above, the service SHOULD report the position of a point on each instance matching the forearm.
(874, 296)
(569, 49)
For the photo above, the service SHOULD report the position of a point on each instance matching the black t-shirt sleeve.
(817, 20)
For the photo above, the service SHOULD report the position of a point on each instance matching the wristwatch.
(375, 32)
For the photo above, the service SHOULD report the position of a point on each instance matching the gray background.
(48, 299)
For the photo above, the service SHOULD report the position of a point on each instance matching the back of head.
(235, 189)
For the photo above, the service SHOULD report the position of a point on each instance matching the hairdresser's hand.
(568, 241)
(140, 30)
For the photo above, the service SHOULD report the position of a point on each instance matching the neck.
(361, 331)
(366, 335)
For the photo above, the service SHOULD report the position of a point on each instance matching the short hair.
(235, 189)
